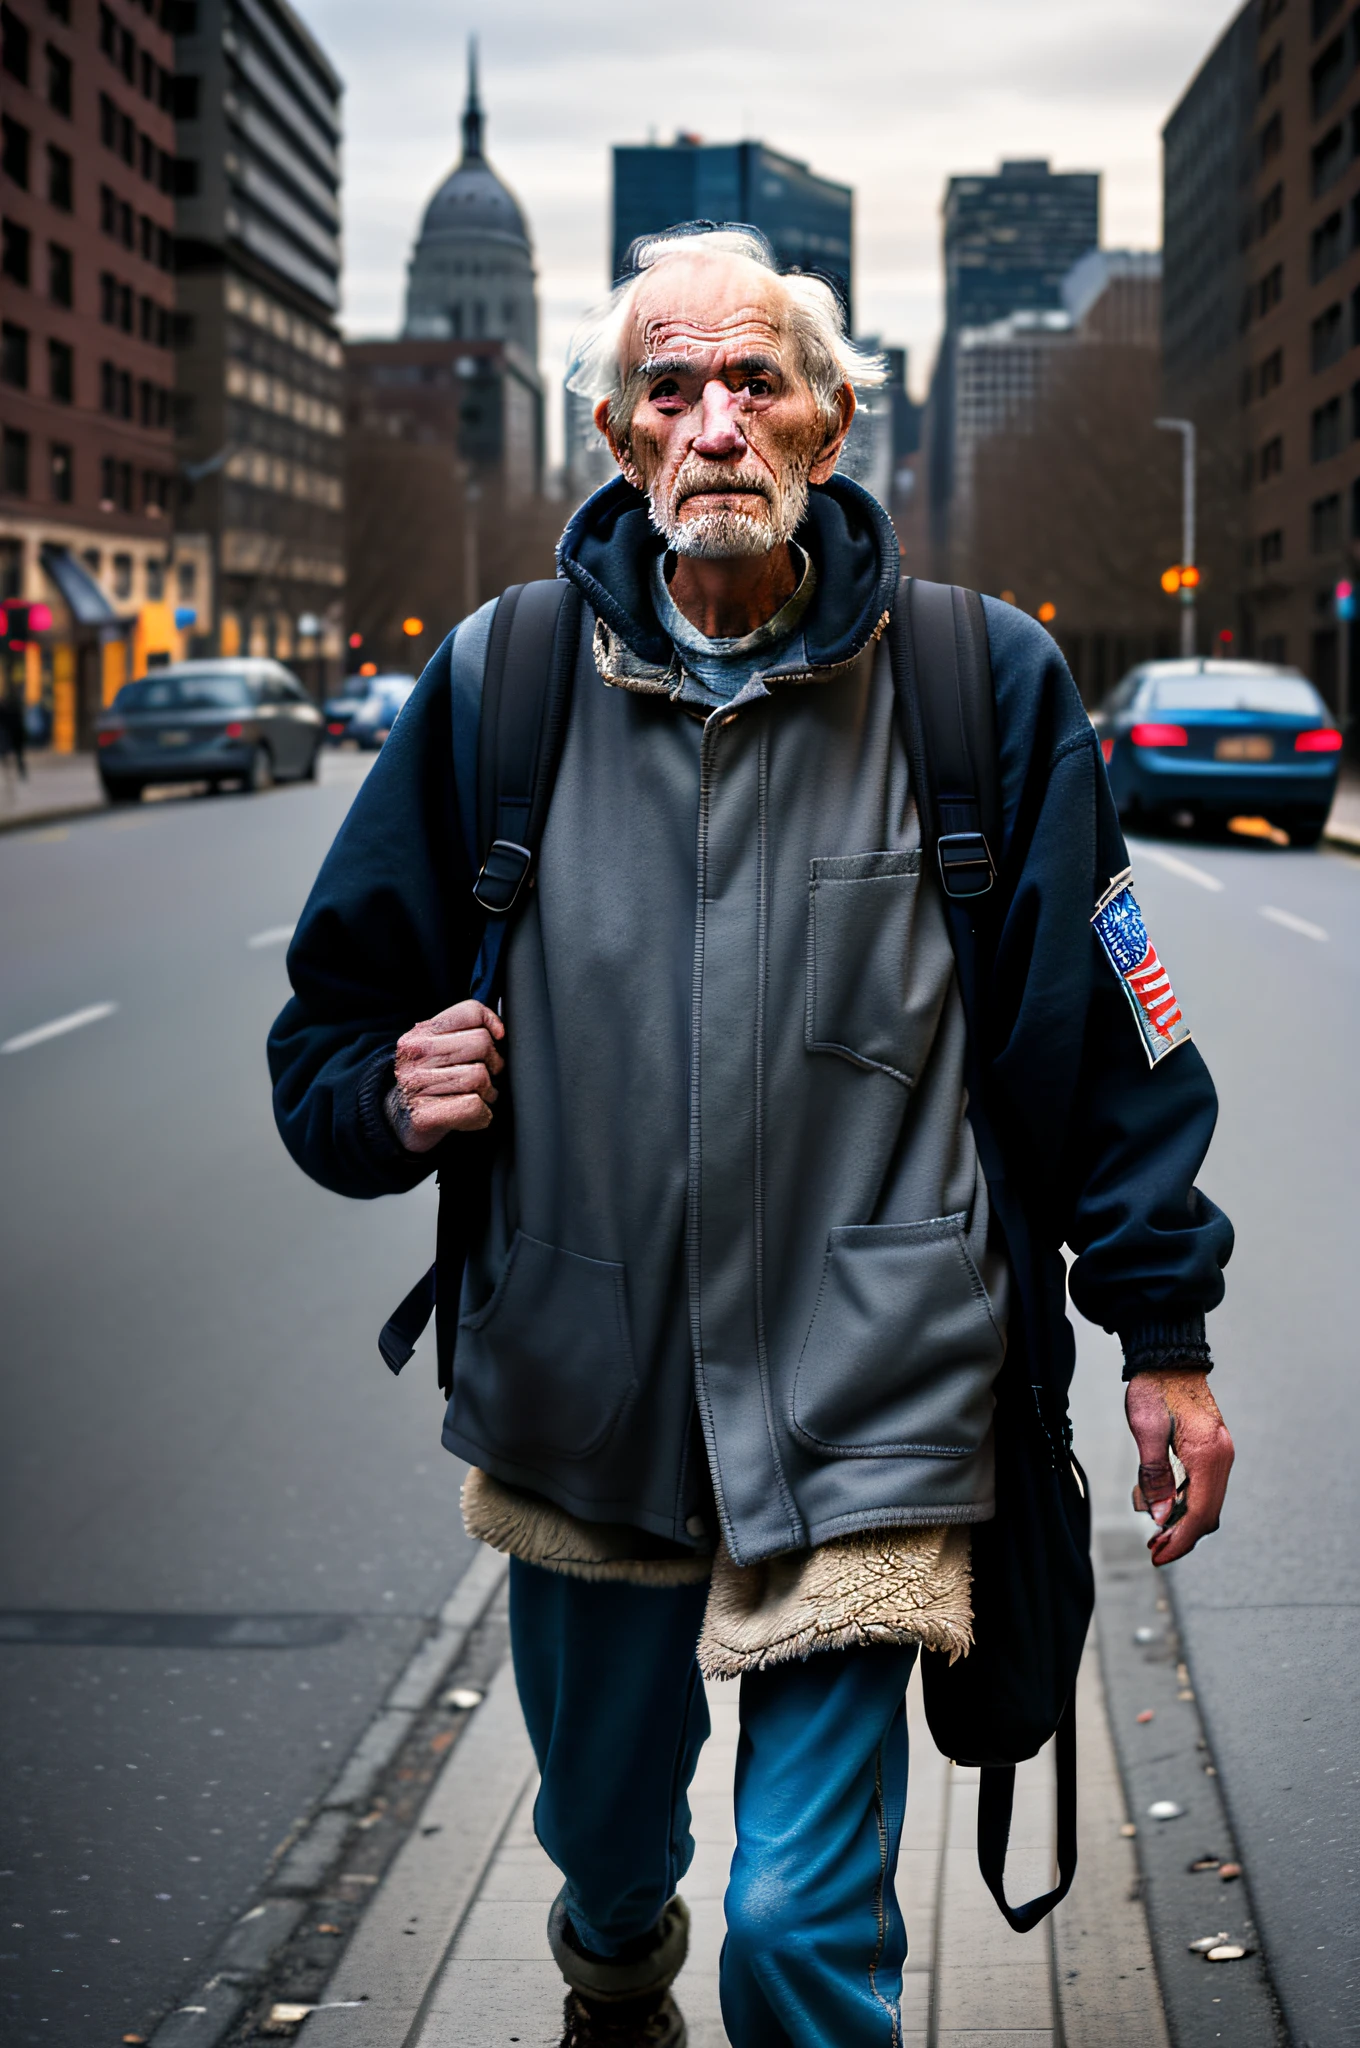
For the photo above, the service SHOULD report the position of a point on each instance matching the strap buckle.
(966, 864)
(504, 873)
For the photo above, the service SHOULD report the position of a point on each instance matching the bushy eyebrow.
(678, 366)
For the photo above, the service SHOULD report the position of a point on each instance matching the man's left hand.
(1172, 1409)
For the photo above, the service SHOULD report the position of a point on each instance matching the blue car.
(1220, 739)
(372, 720)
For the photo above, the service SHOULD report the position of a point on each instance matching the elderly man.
(730, 1325)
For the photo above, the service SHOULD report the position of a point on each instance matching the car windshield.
(185, 693)
(1286, 696)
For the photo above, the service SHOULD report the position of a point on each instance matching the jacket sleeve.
(1110, 1146)
(389, 935)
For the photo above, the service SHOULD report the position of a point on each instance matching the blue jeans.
(615, 1708)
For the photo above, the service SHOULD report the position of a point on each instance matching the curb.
(1347, 837)
(59, 814)
(245, 1953)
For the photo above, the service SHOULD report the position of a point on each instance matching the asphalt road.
(1263, 948)
(196, 1423)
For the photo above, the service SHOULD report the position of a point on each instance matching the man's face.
(725, 433)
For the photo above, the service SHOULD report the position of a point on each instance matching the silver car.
(247, 721)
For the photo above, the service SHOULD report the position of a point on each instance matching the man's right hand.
(444, 1076)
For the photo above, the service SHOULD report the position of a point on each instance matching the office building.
(1010, 238)
(808, 220)
(1262, 325)
(260, 380)
(88, 516)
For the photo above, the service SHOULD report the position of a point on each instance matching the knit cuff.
(381, 1142)
(1150, 1347)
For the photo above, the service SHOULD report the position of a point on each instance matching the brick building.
(87, 468)
(1262, 320)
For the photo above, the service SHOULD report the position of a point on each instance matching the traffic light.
(1180, 576)
(19, 622)
(1344, 594)
(1189, 577)
(412, 627)
(1171, 580)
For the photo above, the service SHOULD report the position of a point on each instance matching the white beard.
(720, 534)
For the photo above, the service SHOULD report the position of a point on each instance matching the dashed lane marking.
(1301, 925)
(277, 935)
(1174, 865)
(58, 1027)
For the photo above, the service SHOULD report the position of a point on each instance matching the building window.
(14, 151)
(16, 248)
(1355, 509)
(122, 575)
(186, 98)
(116, 479)
(1271, 71)
(155, 493)
(155, 579)
(115, 391)
(186, 581)
(14, 45)
(1271, 209)
(1329, 159)
(61, 372)
(92, 559)
(1270, 290)
(1324, 524)
(1272, 457)
(1272, 547)
(1323, 12)
(58, 80)
(1327, 340)
(62, 473)
(1329, 73)
(14, 356)
(1271, 373)
(1326, 431)
(1327, 248)
(1272, 137)
(14, 463)
(60, 277)
(60, 179)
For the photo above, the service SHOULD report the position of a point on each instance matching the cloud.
(890, 96)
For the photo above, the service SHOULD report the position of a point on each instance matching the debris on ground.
(1148, 1714)
(1165, 1809)
(462, 1699)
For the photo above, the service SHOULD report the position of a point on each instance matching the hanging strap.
(526, 699)
(942, 674)
(996, 1796)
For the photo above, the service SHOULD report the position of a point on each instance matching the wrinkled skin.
(723, 427)
(1173, 1409)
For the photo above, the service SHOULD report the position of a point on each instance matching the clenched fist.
(445, 1072)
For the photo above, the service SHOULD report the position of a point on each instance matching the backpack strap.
(526, 700)
(943, 678)
(946, 704)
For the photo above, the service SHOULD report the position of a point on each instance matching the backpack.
(1033, 1587)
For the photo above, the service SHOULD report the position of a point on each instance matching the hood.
(610, 544)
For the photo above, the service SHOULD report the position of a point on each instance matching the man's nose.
(720, 432)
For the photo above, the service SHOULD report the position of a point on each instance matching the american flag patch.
(1119, 926)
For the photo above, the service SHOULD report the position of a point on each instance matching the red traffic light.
(356, 639)
(20, 621)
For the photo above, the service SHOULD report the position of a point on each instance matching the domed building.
(471, 276)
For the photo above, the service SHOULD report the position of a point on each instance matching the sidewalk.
(57, 786)
(452, 1952)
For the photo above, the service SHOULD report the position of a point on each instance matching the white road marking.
(277, 935)
(58, 1027)
(1174, 865)
(1292, 923)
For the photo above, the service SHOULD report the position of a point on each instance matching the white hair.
(815, 319)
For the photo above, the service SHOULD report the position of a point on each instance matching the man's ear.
(827, 456)
(617, 448)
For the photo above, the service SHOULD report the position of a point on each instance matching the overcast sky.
(890, 96)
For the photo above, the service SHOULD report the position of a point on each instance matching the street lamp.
(1188, 582)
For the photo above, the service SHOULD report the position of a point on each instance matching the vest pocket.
(546, 1366)
(902, 1349)
(875, 980)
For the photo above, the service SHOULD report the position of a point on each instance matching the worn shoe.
(653, 2021)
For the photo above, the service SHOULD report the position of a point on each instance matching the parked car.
(337, 711)
(246, 721)
(1221, 739)
(375, 717)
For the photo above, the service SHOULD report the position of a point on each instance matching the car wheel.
(1306, 832)
(119, 789)
(260, 774)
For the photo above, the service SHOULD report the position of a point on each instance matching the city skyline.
(973, 85)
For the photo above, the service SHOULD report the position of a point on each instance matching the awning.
(87, 602)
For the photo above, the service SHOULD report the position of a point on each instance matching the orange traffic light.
(1189, 577)
(412, 626)
(1047, 613)
(1171, 581)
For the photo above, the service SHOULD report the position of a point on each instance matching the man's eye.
(667, 388)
